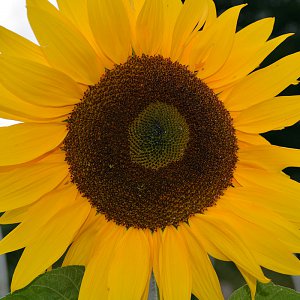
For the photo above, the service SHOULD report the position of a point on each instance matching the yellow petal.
(171, 10)
(133, 8)
(77, 12)
(25, 142)
(212, 13)
(54, 156)
(251, 177)
(269, 157)
(94, 284)
(208, 245)
(174, 266)
(130, 264)
(269, 189)
(17, 109)
(253, 36)
(221, 43)
(16, 215)
(191, 17)
(198, 52)
(255, 212)
(15, 45)
(36, 218)
(246, 43)
(250, 280)
(247, 203)
(146, 291)
(149, 28)
(13, 117)
(111, 28)
(64, 46)
(27, 184)
(149, 237)
(19, 116)
(228, 242)
(136, 5)
(263, 84)
(84, 242)
(205, 285)
(273, 114)
(238, 68)
(253, 139)
(50, 243)
(266, 248)
(38, 84)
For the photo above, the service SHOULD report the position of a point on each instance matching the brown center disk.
(150, 145)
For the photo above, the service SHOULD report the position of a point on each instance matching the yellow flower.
(140, 149)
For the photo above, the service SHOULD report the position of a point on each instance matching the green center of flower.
(150, 145)
(158, 136)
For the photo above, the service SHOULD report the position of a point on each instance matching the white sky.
(13, 16)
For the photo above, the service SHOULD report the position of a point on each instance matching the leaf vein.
(50, 288)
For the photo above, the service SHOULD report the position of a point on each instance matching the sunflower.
(139, 148)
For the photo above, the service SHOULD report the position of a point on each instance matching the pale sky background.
(13, 16)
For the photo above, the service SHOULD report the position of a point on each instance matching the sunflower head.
(140, 137)
(150, 144)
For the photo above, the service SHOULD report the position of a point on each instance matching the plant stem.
(4, 290)
(296, 281)
(153, 291)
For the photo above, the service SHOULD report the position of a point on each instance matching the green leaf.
(268, 291)
(58, 284)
